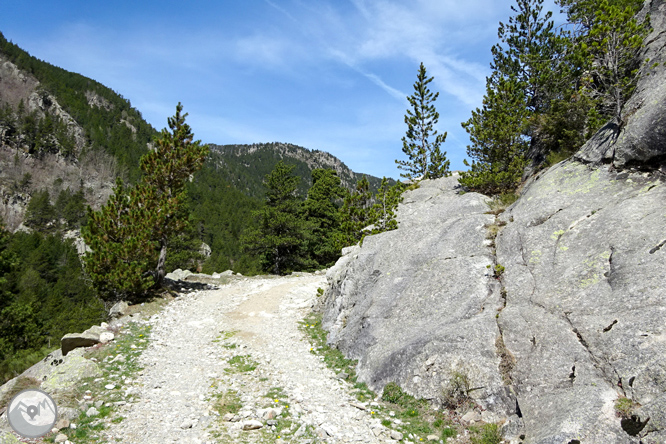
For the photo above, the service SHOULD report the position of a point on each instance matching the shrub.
(456, 392)
(624, 407)
(486, 434)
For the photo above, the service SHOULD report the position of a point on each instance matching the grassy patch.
(227, 402)
(118, 361)
(500, 203)
(486, 434)
(456, 392)
(241, 364)
(276, 393)
(417, 418)
(624, 407)
(333, 357)
(225, 335)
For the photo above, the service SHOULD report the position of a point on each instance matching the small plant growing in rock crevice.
(624, 407)
(456, 392)
(498, 270)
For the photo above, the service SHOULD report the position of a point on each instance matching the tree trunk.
(159, 271)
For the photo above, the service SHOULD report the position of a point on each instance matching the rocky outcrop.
(565, 341)
(418, 305)
(641, 142)
(69, 373)
(573, 323)
(585, 304)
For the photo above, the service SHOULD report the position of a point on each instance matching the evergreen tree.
(322, 215)
(166, 171)
(355, 213)
(426, 160)
(383, 213)
(40, 213)
(516, 91)
(129, 236)
(280, 235)
(607, 40)
(498, 146)
(527, 54)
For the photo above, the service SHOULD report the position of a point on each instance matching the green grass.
(130, 343)
(225, 335)
(500, 203)
(449, 432)
(624, 407)
(241, 364)
(486, 434)
(227, 402)
(417, 418)
(333, 358)
(276, 393)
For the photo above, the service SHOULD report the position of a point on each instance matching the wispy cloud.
(282, 10)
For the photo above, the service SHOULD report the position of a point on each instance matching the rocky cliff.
(550, 315)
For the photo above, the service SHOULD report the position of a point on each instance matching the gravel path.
(188, 368)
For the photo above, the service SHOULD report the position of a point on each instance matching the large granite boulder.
(574, 325)
(585, 255)
(418, 305)
(88, 338)
(70, 373)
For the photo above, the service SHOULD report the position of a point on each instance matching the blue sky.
(328, 75)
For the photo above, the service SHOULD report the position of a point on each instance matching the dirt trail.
(202, 350)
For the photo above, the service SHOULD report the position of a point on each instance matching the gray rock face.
(119, 309)
(581, 325)
(417, 305)
(642, 141)
(584, 319)
(69, 373)
(74, 340)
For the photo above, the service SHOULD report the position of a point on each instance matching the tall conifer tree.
(280, 235)
(422, 144)
(129, 236)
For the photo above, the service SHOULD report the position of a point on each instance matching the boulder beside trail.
(417, 305)
(584, 256)
(573, 324)
(118, 310)
(86, 339)
(69, 373)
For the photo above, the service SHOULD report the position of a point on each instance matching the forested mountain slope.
(245, 166)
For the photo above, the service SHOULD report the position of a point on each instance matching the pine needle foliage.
(355, 212)
(279, 237)
(383, 212)
(322, 215)
(422, 144)
(129, 236)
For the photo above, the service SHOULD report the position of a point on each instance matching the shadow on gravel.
(178, 286)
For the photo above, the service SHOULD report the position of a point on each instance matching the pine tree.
(129, 236)
(40, 213)
(383, 213)
(355, 213)
(498, 147)
(321, 213)
(166, 171)
(516, 91)
(426, 160)
(608, 45)
(280, 235)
